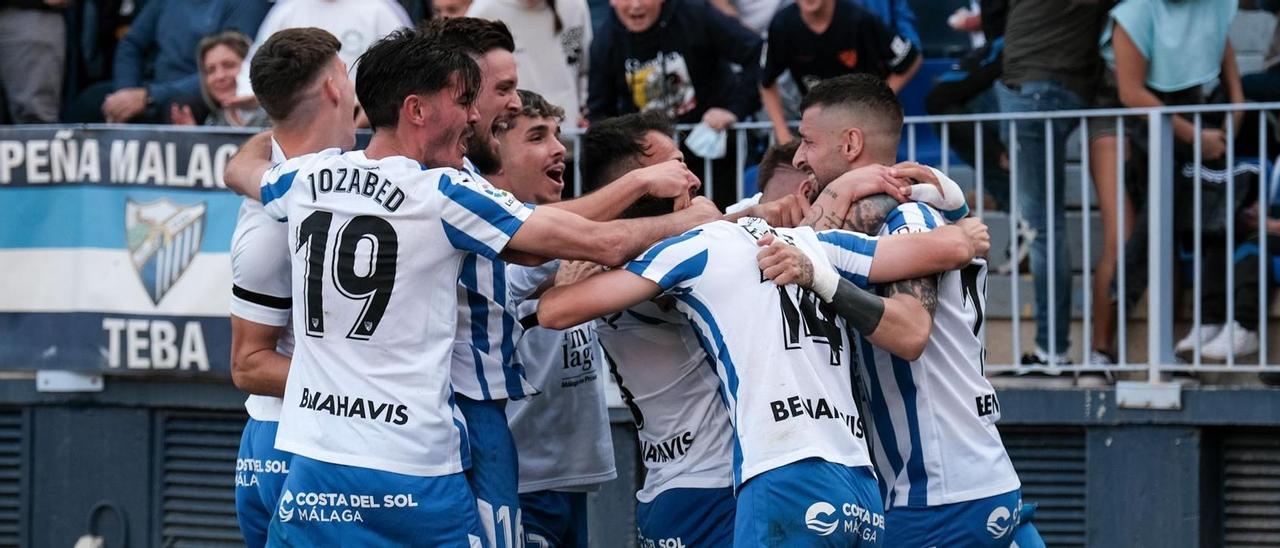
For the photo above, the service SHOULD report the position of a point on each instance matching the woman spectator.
(219, 57)
(1158, 52)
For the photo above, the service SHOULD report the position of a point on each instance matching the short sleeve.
(850, 253)
(276, 183)
(260, 269)
(523, 281)
(478, 217)
(1138, 21)
(673, 263)
(912, 217)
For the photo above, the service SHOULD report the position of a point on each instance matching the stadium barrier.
(118, 236)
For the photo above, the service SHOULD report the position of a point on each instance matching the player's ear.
(413, 110)
(330, 91)
(852, 144)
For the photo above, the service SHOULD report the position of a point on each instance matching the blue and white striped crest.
(163, 238)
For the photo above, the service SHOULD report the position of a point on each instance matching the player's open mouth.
(556, 173)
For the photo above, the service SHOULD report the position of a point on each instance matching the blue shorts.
(810, 503)
(993, 522)
(494, 473)
(325, 504)
(687, 517)
(260, 472)
(554, 519)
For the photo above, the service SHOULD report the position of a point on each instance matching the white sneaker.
(1208, 332)
(1099, 359)
(1024, 236)
(1231, 342)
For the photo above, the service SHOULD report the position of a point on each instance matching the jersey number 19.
(370, 282)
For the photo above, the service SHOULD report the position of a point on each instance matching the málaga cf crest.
(163, 238)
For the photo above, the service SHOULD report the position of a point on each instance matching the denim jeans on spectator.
(1031, 177)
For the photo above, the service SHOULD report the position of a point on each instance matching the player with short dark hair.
(490, 43)
(558, 465)
(711, 272)
(485, 375)
(686, 439)
(931, 407)
(311, 100)
(380, 236)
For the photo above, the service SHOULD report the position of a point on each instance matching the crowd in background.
(716, 62)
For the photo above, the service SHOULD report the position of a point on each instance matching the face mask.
(707, 143)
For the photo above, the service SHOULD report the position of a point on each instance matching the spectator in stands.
(681, 57)
(819, 39)
(155, 63)
(357, 23)
(1265, 86)
(541, 28)
(32, 52)
(448, 9)
(1159, 53)
(221, 56)
(1051, 63)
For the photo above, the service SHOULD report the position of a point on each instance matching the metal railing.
(1163, 262)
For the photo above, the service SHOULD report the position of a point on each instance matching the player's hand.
(702, 210)
(976, 232)
(670, 179)
(575, 271)
(718, 118)
(833, 204)
(784, 263)
(914, 173)
(788, 211)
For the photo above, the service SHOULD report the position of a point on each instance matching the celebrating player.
(686, 440)
(378, 239)
(562, 433)
(783, 363)
(304, 88)
(931, 406)
(484, 373)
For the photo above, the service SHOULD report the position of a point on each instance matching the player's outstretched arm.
(671, 179)
(256, 366)
(906, 256)
(245, 169)
(565, 306)
(549, 232)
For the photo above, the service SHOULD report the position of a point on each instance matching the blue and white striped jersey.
(484, 364)
(934, 418)
(377, 247)
(671, 388)
(782, 355)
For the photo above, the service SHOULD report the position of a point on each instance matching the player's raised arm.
(669, 179)
(565, 306)
(549, 232)
(245, 169)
